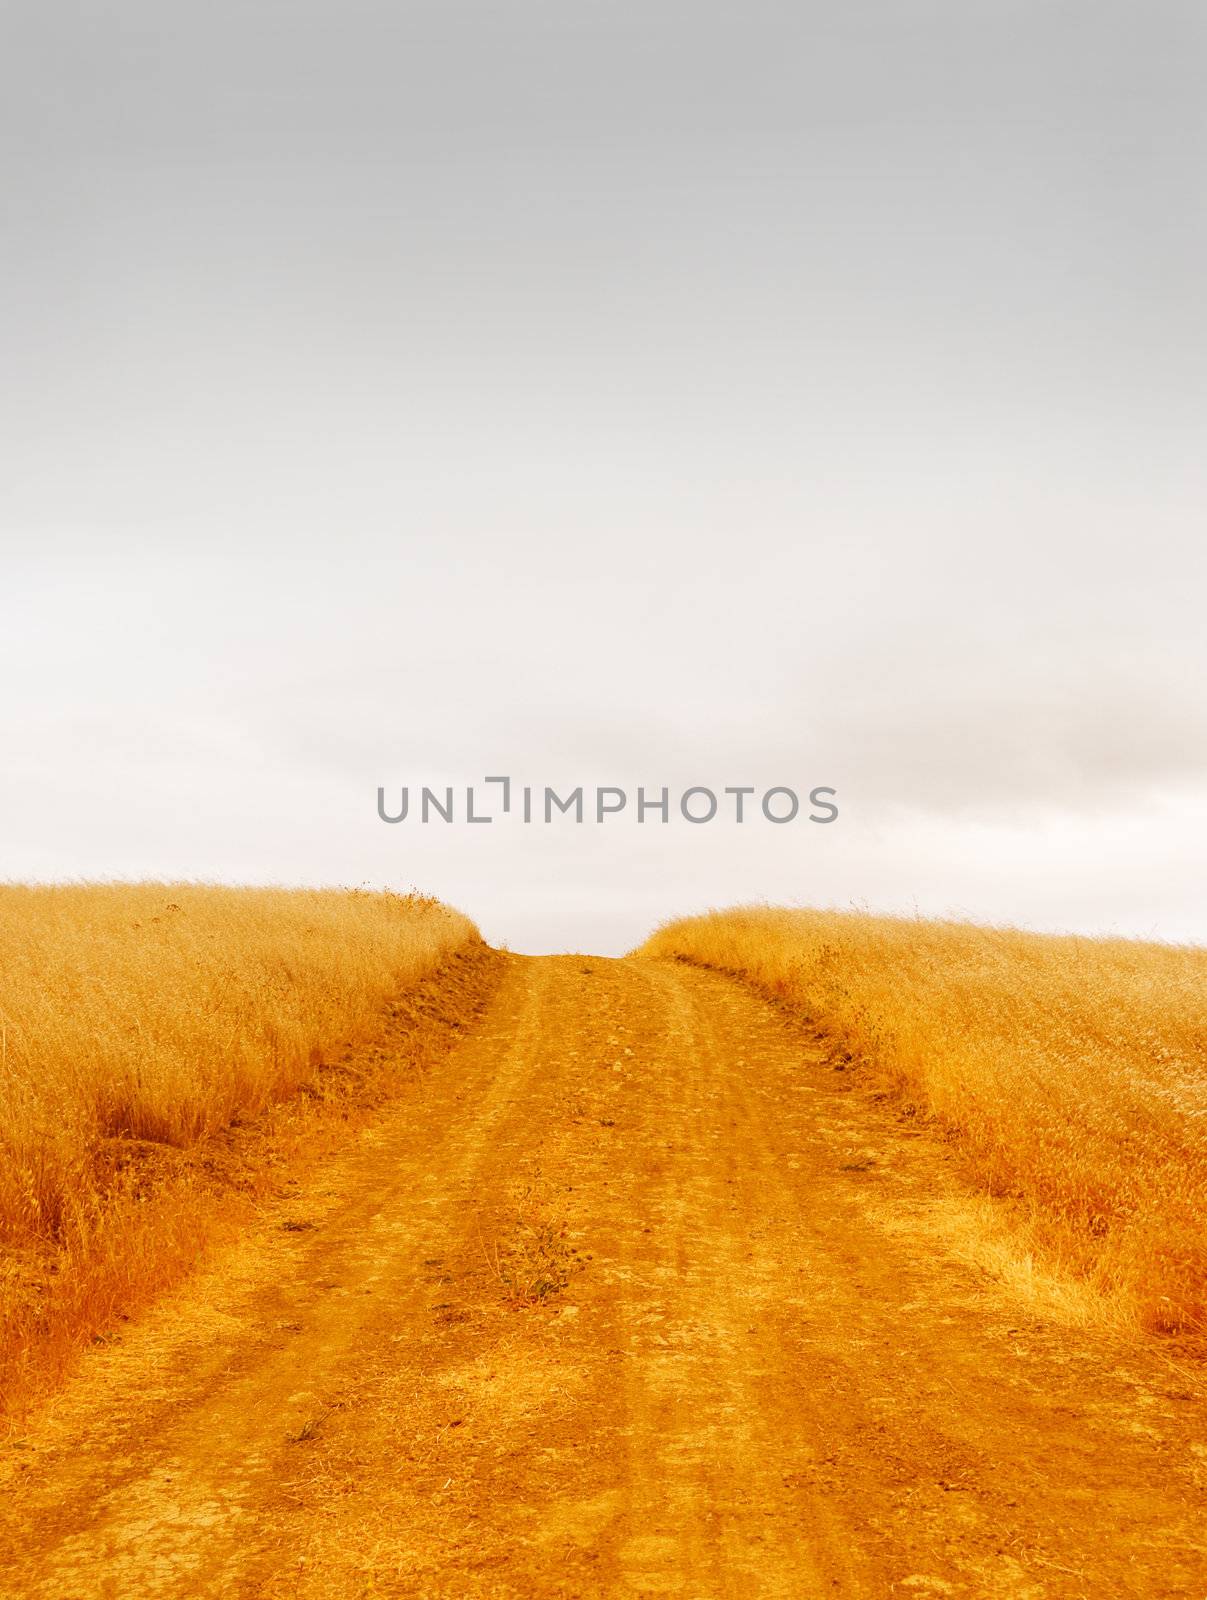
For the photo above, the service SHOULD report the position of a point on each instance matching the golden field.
(545, 1245)
(139, 1021)
(1071, 1071)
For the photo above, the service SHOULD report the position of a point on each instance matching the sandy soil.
(629, 1295)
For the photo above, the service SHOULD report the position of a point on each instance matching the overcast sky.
(632, 393)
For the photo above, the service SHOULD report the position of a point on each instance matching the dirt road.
(628, 1296)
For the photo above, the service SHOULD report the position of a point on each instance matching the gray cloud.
(632, 393)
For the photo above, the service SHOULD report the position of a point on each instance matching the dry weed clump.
(1073, 1072)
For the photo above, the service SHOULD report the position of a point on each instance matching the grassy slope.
(139, 1025)
(1073, 1071)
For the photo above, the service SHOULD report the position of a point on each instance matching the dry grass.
(1072, 1072)
(139, 1023)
